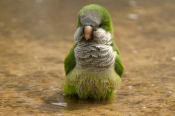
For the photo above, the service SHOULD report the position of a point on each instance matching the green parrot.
(93, 66)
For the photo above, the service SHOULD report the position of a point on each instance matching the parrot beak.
(88, 32)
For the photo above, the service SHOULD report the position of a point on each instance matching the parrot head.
(94, 24)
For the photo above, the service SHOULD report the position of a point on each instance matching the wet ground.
(36, 35)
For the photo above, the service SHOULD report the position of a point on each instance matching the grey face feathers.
(90, 18)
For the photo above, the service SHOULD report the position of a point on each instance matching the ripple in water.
(60, 104)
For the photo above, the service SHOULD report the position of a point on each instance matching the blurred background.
(36, 36)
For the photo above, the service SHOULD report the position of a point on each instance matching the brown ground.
(36, 35)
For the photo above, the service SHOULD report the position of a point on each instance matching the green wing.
(69, 62)
(118, 63)
(115, 48)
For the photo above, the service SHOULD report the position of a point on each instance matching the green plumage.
(69, 62)
(97, 85)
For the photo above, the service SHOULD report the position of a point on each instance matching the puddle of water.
(34, 45)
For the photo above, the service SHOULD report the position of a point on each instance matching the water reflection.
(60, 104)
(35, 37)
(74, 103)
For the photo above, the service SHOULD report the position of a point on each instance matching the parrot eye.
(100, 25)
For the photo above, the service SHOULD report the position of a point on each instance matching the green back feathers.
(106, 22)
